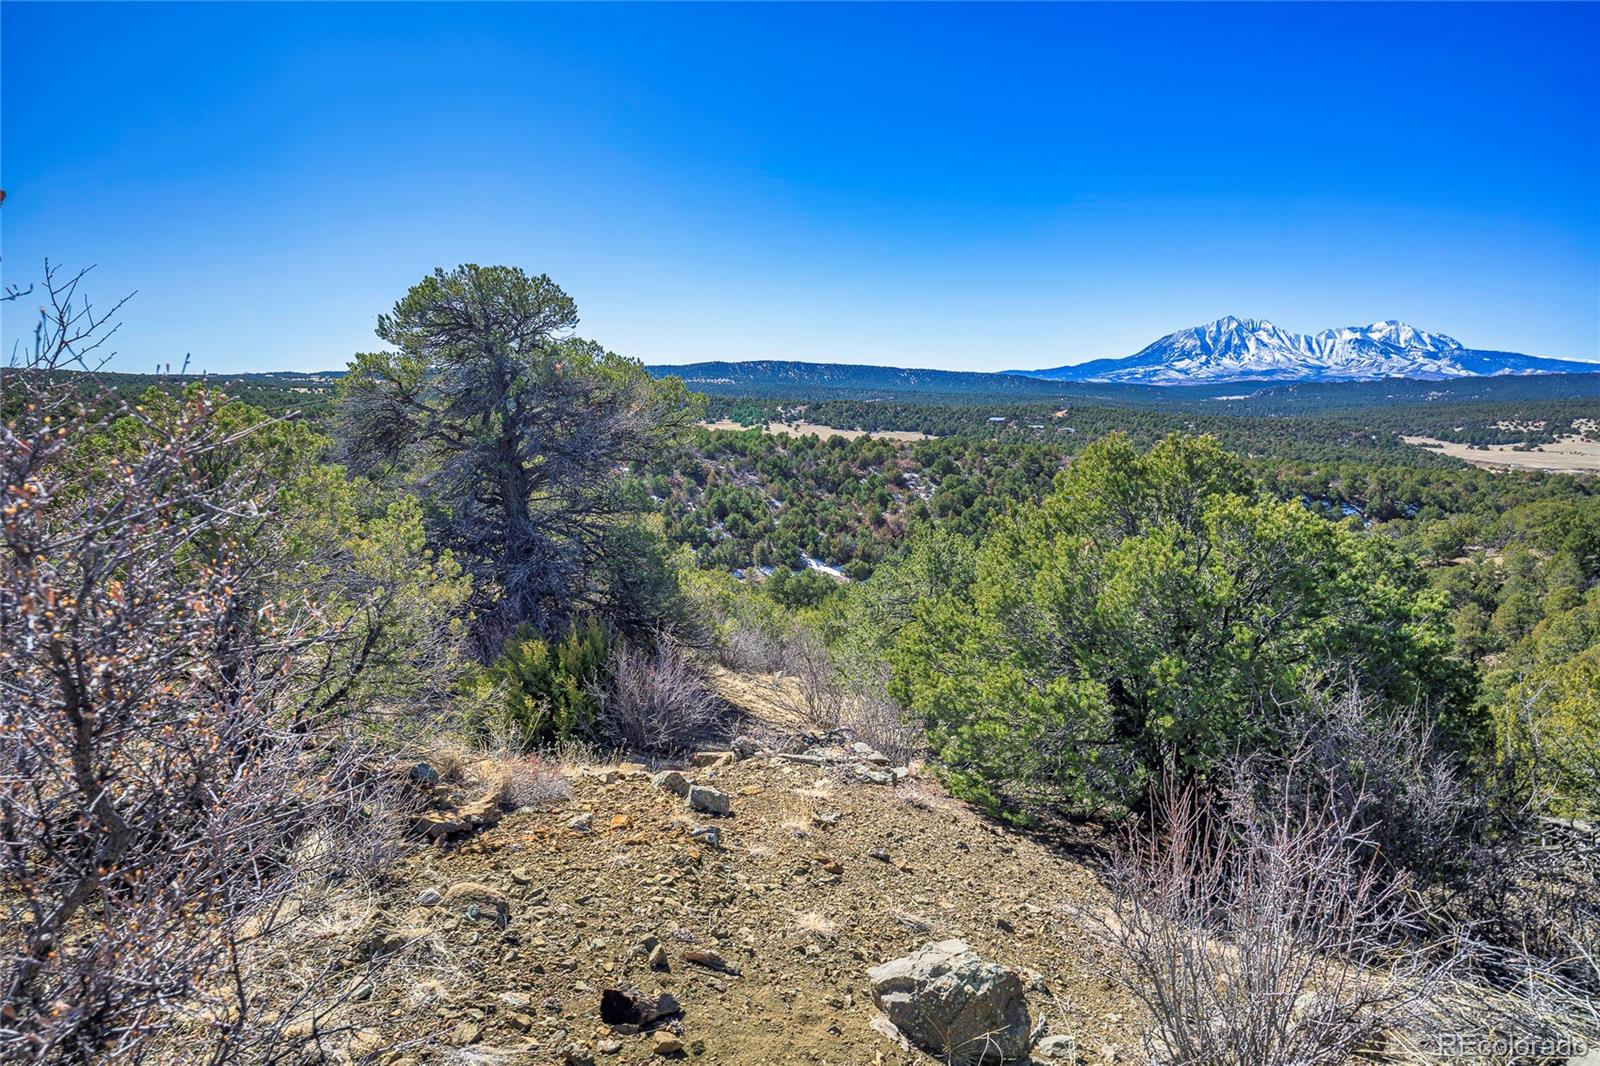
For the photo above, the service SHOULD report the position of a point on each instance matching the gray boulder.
(949, 1002)
(709, 800)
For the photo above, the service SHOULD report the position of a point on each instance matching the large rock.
(952, 1004)
(709, 800)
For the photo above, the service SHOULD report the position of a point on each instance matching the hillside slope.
(817, 876)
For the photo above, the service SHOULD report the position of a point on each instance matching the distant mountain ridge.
(1249, 349)
(764, 377)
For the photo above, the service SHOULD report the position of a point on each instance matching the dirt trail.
(814, 879)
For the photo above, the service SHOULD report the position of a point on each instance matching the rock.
(481, 813)
(710, 960)
(581, 823)
(520, 1022)
(952, 1004)
(709, 835)
(521, 876)
(436, 825)
(423, 774)
(466, 1033)
(672, 781)
(363, 1043)
(477, 901)
(824, 819)
(429, 897)
(628, 1006)
(658, 958)
(666, 1043)
(871, 775)
(745, 747)
(713, 760)
(709, 800)
(869, 753)
(608, 1047)
(1056, 1049)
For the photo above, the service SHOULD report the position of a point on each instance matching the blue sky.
(975, 187)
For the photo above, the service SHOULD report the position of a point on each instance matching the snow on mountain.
(1240, 349)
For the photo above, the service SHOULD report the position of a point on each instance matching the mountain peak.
(1245, 349)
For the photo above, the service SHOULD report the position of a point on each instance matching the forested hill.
(770, 377)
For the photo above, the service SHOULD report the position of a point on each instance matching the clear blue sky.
(942, 186)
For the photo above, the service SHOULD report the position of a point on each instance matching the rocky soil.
(499, 945)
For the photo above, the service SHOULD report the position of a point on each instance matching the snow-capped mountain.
(1249, 349)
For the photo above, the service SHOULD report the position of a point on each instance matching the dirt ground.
(814, 880)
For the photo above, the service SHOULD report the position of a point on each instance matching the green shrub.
(1157, 614)
(545, 691)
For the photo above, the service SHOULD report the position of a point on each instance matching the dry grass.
(1569, 455)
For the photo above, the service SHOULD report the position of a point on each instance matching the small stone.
(709, 800)
(744, 747)
(423, 774)
(608, 1047)
(709, 835)
(582, 823)
(710, 960)
(521, 876)
(520, 1022)
(666, 1043)
(713, 759)
(824, 819)
(658, 958)
(879, 854)
(1056, 1048)
(671, 781)
(478, 902)
(869, 753)
(429, 897)
(620, 821)
(466, 1033)
(364, 1042)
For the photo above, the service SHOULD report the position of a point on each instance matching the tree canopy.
(1155, 613)
(514, 434)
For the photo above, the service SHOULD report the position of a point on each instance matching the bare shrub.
(173, 761)
(808, 660)
(1385, 772)
(658, 702)
(532, 781)
(751, 647)
(1259, 938)
(873, 716)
